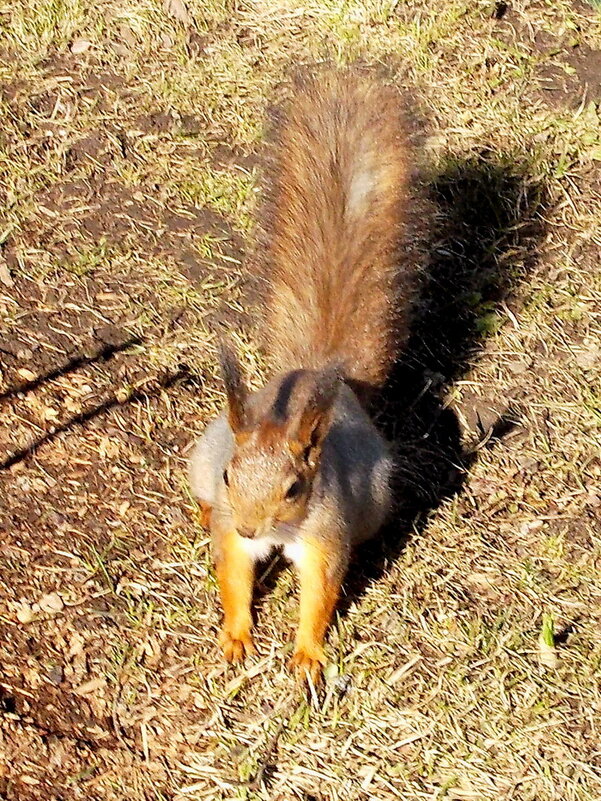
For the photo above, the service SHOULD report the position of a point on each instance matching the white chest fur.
(261, 547)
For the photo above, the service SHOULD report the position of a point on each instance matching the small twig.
(115, 720)
(255, 783)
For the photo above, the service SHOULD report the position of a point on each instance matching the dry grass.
(128, 181)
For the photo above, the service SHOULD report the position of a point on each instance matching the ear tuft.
(235, 388)
(315, 418)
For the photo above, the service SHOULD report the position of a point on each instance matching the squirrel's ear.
(315, 418)
(235, 388)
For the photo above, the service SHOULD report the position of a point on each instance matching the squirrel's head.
(269, 478)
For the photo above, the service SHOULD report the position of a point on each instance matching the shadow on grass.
(101, 354)
(182, 375)
(491, 218)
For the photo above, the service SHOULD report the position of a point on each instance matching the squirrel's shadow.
(490, 222)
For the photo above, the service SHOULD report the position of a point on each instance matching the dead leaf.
(29, 780)
(5, 276)
(50, 413)
(90, 686)
(25, 374)
(76, 645)
(80, 46)
(51, 602)
(72, 406)
(25, 613)
(123, 508)
(408, 667)
(177, 9)
(593, 498)
(547, 655)
(547, 652)
(589, 357)
(530, 525)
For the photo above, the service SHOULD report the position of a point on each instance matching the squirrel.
(299, 465)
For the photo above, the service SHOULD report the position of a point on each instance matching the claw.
(236, 647)
(307, 664)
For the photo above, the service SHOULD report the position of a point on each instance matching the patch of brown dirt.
(567, 70)
(87, 463)
(85, 694)
(580, 82)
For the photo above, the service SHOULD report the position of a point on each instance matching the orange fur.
(331, 226)
(235, 573)
(319, 592)
(270, 433)
(204, 514)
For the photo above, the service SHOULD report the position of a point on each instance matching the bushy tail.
(336, 187)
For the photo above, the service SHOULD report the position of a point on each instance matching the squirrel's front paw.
(308, 663)
(236, 646)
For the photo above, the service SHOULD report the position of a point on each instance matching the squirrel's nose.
(248, 533)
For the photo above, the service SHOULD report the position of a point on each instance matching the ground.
(465, 661)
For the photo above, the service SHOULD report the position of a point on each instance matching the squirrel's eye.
(294, 490)
(226, 478)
